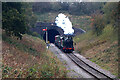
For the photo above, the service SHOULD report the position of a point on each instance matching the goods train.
(64, 42)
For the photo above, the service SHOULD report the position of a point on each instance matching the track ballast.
(89, 69)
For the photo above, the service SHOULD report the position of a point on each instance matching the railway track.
(89, 69)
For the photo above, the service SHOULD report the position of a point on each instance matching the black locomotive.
(64, 42)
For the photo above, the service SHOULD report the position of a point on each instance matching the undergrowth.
(29, 58)
(103, 49)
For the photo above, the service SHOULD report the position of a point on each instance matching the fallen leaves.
(20, 57)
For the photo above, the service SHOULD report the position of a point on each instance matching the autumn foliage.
(97, 23)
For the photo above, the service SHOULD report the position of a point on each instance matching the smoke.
(63, 22)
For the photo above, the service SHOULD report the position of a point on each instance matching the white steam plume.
(63, 22)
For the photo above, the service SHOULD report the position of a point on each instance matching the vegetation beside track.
(100, 44)
(103, 49)
(29, 58)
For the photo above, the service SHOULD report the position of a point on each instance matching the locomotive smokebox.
(64, 42)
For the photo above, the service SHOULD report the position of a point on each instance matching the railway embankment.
(102, 50)
(79, 66)
(29, 58)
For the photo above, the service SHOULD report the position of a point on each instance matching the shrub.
(97, 23)
(35, 34)
(109, 32)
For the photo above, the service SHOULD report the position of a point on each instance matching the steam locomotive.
(64, 42)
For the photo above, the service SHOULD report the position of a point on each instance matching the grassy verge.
(103, 49)
(29, 58)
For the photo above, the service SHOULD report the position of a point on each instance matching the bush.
(109, 33)
(111, 13)
(35, 34)
(13, 21)
(97, 23)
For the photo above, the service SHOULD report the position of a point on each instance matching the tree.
(64, 6)
(13, 19)
(77, 8)
(30, 18)
(16, 18)
(42, 7)
(84, 8)
(55, 6)
(111, 14)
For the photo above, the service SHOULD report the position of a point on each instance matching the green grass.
(86, 36)
(109, 33)
(103, 49)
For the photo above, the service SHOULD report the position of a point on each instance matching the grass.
(109, 33)
(77, 21)
(29, 58)
(84, 36)
(103, 49)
